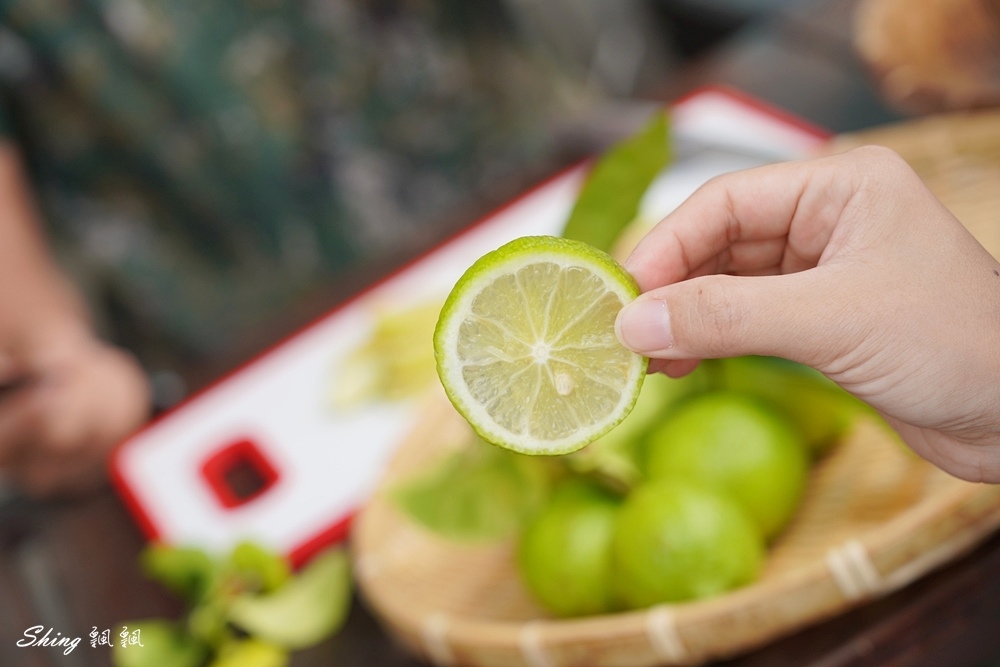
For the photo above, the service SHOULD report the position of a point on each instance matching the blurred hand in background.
(66, 397)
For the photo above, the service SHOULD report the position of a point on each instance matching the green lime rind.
(535, 248)
(508, 259)
(309, 608)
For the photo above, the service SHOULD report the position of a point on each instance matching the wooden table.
(72, 566)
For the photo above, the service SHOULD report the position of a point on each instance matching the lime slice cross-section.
(526, 347)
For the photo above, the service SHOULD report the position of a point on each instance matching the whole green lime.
(735, 444)
(675, 541)
(819, 409)
(565, 551)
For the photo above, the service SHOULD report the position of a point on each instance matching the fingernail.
(643, 326)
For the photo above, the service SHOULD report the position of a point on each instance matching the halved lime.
(526, 347)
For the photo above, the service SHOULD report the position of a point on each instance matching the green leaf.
(262, 569)
(251, 653)
(479, 493)
(164, 644)
(303, 612)
(610, 197)
(188, 572)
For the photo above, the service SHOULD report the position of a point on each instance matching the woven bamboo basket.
(875, 517)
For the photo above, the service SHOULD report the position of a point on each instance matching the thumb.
(795, 316)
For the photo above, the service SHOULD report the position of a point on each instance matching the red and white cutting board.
(314, 466)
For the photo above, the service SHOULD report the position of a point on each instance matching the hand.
(65, 397)
(848, 264)
(69, 399)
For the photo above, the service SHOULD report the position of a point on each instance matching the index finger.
(794, 206)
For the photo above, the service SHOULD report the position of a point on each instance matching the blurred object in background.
(202, 166)
(932, 55)
(625, 54)
(207, 170)
(695, 26)
(613, 47)
(629, 47)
